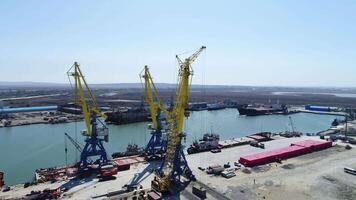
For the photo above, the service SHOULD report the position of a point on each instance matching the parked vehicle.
(237, 164)
(108, 171)
(228, 174)
(215, 150)
(257, 144)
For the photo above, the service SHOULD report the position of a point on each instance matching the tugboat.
(131, 150)
(209, 142)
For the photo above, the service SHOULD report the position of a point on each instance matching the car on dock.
(237, 164)
(257, 144)
(228, 173)
(218, 150)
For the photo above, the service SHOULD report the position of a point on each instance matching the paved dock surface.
(311, 176)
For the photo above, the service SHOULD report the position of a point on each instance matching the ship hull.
(255, 111)
(127, 117)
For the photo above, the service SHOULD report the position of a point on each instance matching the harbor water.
(26, 148)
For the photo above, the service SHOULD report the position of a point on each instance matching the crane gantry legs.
(180, 166)
(93, 146)
(156, 146)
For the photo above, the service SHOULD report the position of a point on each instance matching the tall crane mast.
(96, 132)
(175, 164)
(156, 146)
(292, 124)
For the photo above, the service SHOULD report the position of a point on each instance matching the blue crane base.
(156, 147)
(93, 147)
(180, 167)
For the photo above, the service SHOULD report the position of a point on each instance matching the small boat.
(209, 142)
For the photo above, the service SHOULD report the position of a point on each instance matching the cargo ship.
(216, 106)
(199, 106)
(263, 109)
(131, 150)
(209, 142)
(130, 115)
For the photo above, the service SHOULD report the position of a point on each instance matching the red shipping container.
(295, 149)
(314, 145)
(260, 158)
(122, 165)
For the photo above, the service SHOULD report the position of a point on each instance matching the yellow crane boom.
(156, 146)
(88, 106)
(174, 163)
(152, 97)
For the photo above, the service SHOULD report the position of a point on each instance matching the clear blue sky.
(284, 43)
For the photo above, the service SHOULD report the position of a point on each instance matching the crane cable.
(76, 120)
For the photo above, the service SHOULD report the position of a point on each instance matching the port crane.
(174, 164)
(156, 146)
(96, 131)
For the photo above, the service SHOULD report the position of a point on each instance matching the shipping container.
(313, 145)
(123, 167)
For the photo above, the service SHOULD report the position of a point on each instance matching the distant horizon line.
(23, 83)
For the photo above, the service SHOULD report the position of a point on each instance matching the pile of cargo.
(295, 149)
(54, 173)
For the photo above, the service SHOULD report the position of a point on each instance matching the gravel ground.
(318, 175)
